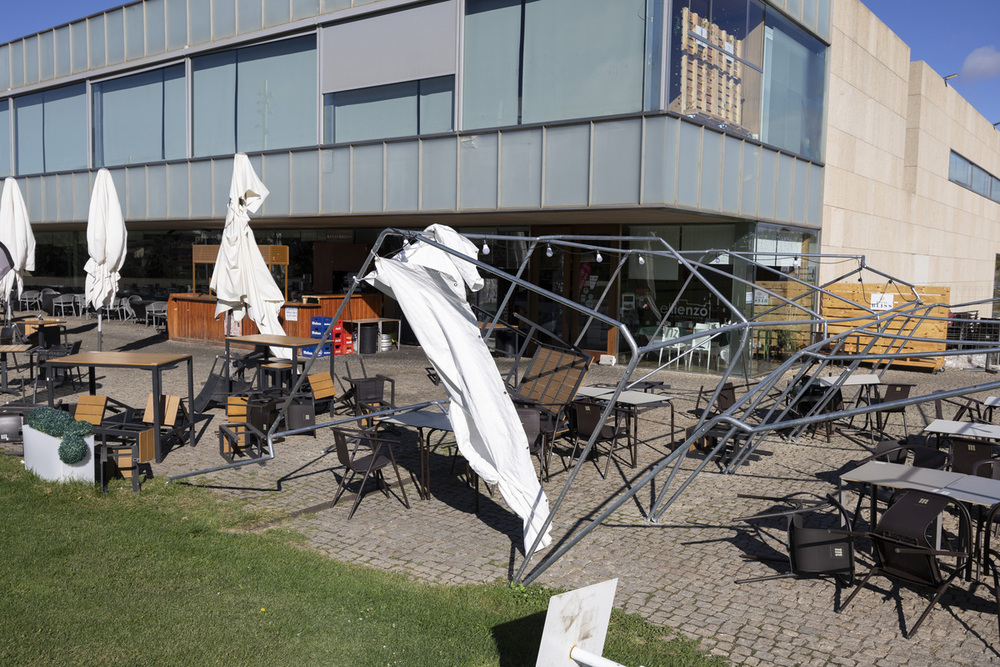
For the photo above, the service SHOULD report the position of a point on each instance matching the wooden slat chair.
(175, 416)
(91, 409)
(237, 436)
(549, 384)
(324, 391)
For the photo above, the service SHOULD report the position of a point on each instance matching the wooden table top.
(15, 348)
(273, 340)
(128, 359)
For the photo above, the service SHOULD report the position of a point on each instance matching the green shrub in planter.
(60, 424)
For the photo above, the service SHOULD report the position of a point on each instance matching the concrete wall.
(892, 124)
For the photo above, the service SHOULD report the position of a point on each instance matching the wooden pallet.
(863, 293)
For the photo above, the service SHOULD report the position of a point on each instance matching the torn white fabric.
(429, 285)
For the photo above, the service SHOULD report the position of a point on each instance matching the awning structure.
(436, 266)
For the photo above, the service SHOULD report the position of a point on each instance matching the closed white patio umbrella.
(106, 240)
(16, 235)
(241, 280)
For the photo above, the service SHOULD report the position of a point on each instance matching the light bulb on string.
(486, 248)
(599, 257)
(642, 260)
(548, 251)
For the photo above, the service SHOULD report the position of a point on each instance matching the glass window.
(794, 83)
(994, 183)
(582, 58)
(960, 170)
(492, 63)
(980, 181)
(558, 59)
(374, 113)
(396, 110)
(716, 61)
(213, 108)
(136, 118)
(51, 130)
(276, 95)
(5, 169)
(255, 99)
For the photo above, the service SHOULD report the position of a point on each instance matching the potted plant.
(58, 447)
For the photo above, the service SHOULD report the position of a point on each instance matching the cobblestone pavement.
(679, 572)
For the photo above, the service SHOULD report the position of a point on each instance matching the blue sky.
(954, 37)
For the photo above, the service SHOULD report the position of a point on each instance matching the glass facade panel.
(396, 110)
(51, 130)
(248, 16)
(156, 34)
(372, 113)
(17, 63)
(223, 18)
(176, 22)
(199, 22)
(213, 111)
(4, 67)
(97, 52)
(64, 51)
(115, 28)
(78, 36)
(304, 8)
(65, 128)
(31, 59)
(5, 169)
(980, 181)
(257, 98)
(492, 62)
(276, 95)
(437, 103)
(135, 32)
(137, 117)
(582, 58)
(960, 170)
(46, 55)
(794, 85)
(275, 12)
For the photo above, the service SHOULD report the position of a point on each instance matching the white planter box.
(41, 456)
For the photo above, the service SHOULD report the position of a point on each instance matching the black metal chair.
(904, 548)
(538, 443)
(366, 465)
(585, 421)
(813, 551)
(967, 452)
(893, 392)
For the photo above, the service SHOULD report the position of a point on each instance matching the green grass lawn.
(171, 576)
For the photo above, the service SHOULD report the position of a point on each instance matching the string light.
(548, 250)
(486, 248)
(642, 260)
(599, 258)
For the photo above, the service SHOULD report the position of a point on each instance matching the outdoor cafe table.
(866, 384)
(4, 351)
(632, 401)
(294, 343)
(981, 491)
(153, 362)
(941, 427)
(426, 422)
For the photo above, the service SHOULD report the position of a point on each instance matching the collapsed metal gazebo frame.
(764, 409)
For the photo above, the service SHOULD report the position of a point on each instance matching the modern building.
(781, 127)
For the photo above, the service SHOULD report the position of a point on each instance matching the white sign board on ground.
(577, 618)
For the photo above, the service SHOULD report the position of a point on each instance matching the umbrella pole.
(99, 315)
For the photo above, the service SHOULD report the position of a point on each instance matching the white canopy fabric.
(106, 241)
(429, 285)
(15, 233)
(241, 279)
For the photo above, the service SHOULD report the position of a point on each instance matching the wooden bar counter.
(191, 317)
